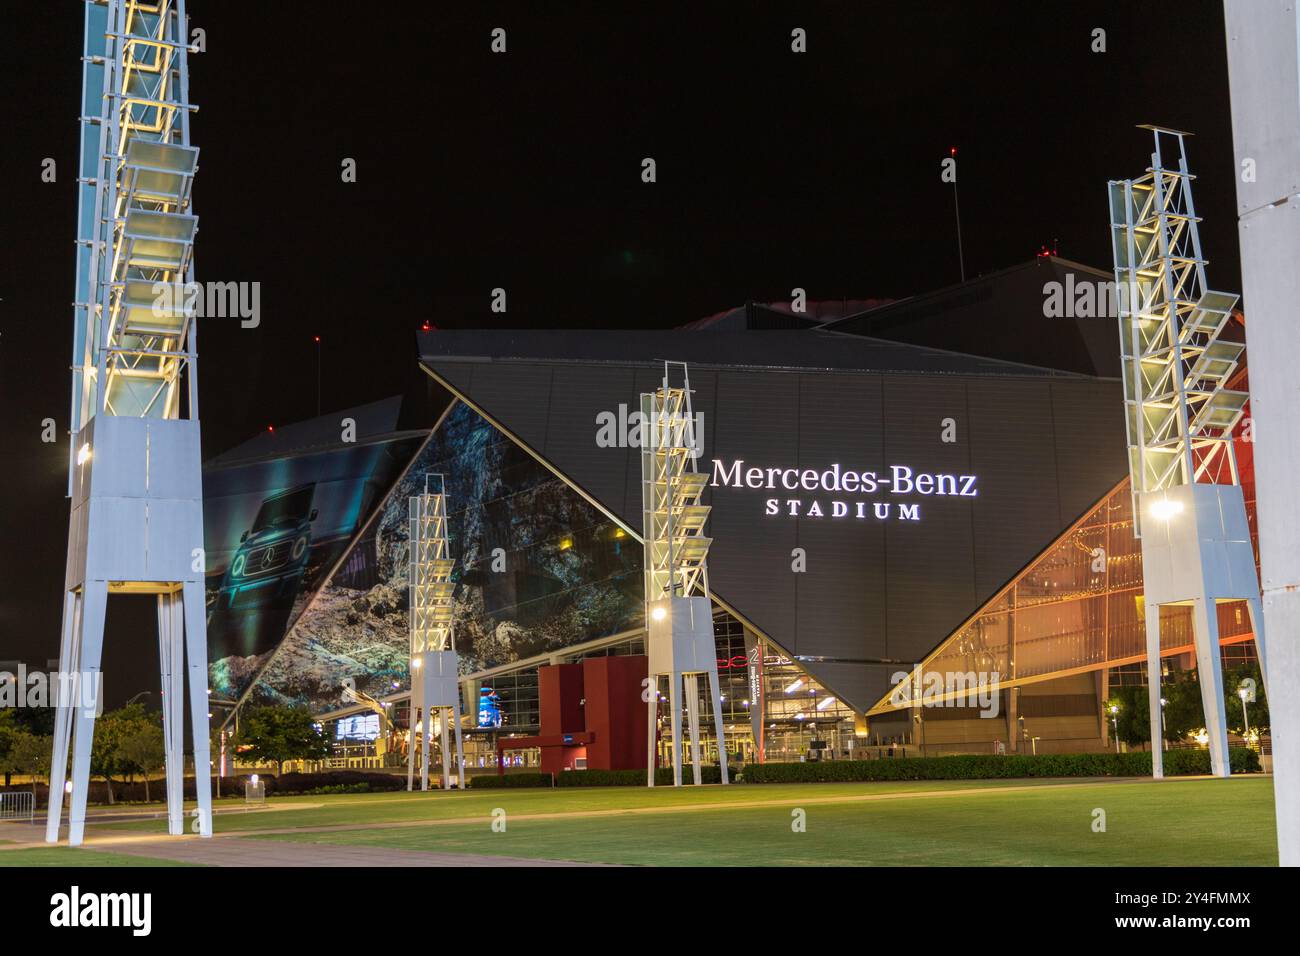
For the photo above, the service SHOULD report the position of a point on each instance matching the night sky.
(522, 170)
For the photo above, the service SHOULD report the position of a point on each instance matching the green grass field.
(59, 856)
(1197, 822)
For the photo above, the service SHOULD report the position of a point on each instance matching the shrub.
(597, 778)
(332, 781)
(988, 767)
(339, 788)
(490, 781)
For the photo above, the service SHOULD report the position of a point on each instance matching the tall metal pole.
(1265, 87)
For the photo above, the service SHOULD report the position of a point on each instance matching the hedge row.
(988, 766)
(486, 781)
(329, 781)
(594, 778)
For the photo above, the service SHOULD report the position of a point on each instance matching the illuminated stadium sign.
(835, 480)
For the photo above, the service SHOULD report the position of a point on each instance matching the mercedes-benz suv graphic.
(268, 567)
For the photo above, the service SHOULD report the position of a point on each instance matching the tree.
(145, 751)
(1184, 712)
(111, 729)
(30, 754)
(277, 734)
(8, 733)
(1132, 723)
(1256, 711)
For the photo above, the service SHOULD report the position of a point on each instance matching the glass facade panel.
(1079, 606)
(538, 569)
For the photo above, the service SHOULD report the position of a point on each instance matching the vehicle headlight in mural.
(257, 592)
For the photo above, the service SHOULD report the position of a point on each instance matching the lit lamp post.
(1243, 692)
(1163, 702)
(1114, 722)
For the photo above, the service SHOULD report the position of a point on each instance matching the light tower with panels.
(435, 666)
(679, 609)
(134, 470)
(1188, 507)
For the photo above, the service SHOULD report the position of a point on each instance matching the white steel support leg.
(165, 688)
(425, 730)
(63, 713)
(196, 666)
(675, 719)
(446, 754)
(460, 744)
(1209, 673)
(1255, 607)
(693, 716)
(652, 720)
(1263, 41)
(1153, 690)
(91, 643)
(171, 657)
(413, 727)
(715, 695)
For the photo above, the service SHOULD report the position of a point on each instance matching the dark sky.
(522, 171)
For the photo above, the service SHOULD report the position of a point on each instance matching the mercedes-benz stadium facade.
(882, 511)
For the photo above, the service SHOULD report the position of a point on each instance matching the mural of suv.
(272, 557)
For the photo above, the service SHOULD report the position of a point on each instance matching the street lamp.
(1114, 720)
(1163, 702)
(1243, 693)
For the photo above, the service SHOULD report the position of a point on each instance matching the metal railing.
(19, 805)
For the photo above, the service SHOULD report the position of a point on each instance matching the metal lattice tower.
(1188, 506)
(431, 567)
(134, 471)
(676, 546)
(134, 335)
(1180, 417)
(679, 610)
(435, 666)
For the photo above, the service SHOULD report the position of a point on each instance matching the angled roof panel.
(876, 593)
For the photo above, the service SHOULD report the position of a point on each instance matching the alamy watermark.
(626, 428)
(918, 688)
(1087, 298)
(211, 300)
(39, 689)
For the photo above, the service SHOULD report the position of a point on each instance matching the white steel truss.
(134, 337)
(1180, 417)
(435, 678)
(1188, 507)
(676, 546)
(431, 566)
(679, 612)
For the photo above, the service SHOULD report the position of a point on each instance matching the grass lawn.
(1191, 822)
(403, 807)
(70, 856)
